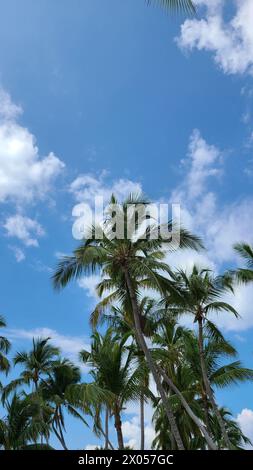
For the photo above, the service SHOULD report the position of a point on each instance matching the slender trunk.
(206, 411)
(36, 380)
(106, 428)
(142, 343)
(142, 421)
(59, 422)
(109, 442)
(118, 427)
(208, 386)
(60, 437)
(63, 440)
(192, 415)
(173, 442)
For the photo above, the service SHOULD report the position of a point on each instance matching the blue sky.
(117, 96)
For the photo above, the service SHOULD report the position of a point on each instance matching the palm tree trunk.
(63, 440)
(60, 437)
(109, 442)
(142, 343)
(206, 410)
(142, 421)
(208, 386)
(118, 427)
(106, 428)
(192, 415)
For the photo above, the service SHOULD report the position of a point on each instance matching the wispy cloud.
(69, 345)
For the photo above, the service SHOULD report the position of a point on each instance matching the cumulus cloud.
(24, 175)
(245, 420)
(131, 433)
(220, 225)
(89, 284)
(230, 41)
(242, 301)
(25, 229)
(88, 186)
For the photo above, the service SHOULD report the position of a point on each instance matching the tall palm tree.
(113, 369)
(169, 349)
(22, 424)
(4, 349)
(54, 391)
(38, 362)
(201, 293)
(177, 348)
(123, 323)
(126, 263)
(220, 374)
(236, 436)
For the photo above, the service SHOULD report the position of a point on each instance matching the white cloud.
(203, 158)
(245, 420)
(60, 254)
(89, 284)
(93, 194)
(131, 433)
(40, 267)
(231, 41)
(87, 186)
(24, 174)
(8, 110)
(228, 225)
(70, 345)
(18, 253)
(242, 301)
(188, 258)
(219, 225)
(25, 229)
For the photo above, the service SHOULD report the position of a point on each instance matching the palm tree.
(162, 440)
(235, 434)
(201, 293)
(244, 275)
(126, 263)
(22, 424)
(216, 352)
(169, 350)
(123, 323)
(177, 348)
(38, 362)
(4, 349)
(54, 390)
(113, 369)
